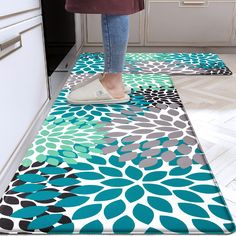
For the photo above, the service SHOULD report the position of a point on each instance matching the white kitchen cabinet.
(23, 79)
(14, 11)
(12, 7)
(189, 23)
(175, 23)
(93, 32)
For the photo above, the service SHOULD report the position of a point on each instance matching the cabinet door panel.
(174, 23)
(11, 7)
(93, 34)
(23, 78)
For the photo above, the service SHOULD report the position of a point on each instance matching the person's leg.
(115, 31)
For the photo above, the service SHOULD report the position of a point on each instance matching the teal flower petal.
(108, 194)
(110, 171)
(33, 178)
(219, 200)
(72, 201)
(193, 210)
(97, 160)
(81, 148)
(200, 176)
(155, 176)
(81, 166)
(209, 189)
(61, 182)
(27, 188)
(143, 213)
(94, 227)
(29, 212)
(43, 195)
(68, 154)
(177, 171)
(231, 227)
(219, 211)
(153, 231)
(188, 196)
(123, 225)
(114, 209)
(53, 170)
(133, 173)
(114, 160)
(134, 193)
(87, 211)
(160, 204)
(207, 227)
(44, 221)
(90, 175)
(117, 182)
(173, 224)
(177, 182)
(157, 189)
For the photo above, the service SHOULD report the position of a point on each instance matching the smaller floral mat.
(134, 168)
(165, 63)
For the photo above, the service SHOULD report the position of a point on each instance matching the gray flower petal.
(142, 131)
(109, 140)
(166, 117)
(177, 134)
(184, 149)
(121, 121)
(146, 125)
(156, 135)
(199, 158)
(173, 112)
(180, 124)
(161, 106)
(128, 156)
(170, 143)
(109, 149)
(150, 144)
(184, 162)
(168, 156)
(150, 152)
(130, 147)
(127, 127)
(131, 139)
(148, 162)
(150, 115)
(167, 129)
(189, 140)
(163, 123)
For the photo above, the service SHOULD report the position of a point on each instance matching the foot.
(114, 84)
(94, 92)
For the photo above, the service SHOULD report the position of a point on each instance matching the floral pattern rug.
(134, 168)
(165, 63)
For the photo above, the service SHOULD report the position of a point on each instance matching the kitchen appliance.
(59, 32)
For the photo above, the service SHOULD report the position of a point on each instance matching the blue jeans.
(115, 32)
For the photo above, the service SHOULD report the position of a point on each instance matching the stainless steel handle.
(193, 2)
(10, 43)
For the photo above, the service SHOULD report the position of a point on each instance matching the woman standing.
(107, 87)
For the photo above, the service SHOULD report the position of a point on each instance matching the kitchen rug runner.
(166, 63)
(116, 169)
